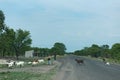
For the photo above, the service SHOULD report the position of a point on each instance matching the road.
(90, 70)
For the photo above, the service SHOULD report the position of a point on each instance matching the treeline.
(14, 43)
(57, 49)
(103, 51)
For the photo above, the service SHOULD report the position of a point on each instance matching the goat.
(79, 61)
(34, 63)
(11, 64)
(41, 61)
(29, 62)
(20, 63)
(107, 63)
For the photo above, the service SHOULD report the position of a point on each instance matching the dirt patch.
(3, 61)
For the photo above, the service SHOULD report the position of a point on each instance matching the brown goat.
(79, 61)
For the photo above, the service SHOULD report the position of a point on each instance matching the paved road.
(91, 70)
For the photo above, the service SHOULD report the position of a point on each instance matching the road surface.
(90, 70)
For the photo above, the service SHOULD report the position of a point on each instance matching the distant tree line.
(57, 49)
(15, 42)
(101, 51)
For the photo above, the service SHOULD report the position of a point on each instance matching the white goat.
(107, 63)
(29, 62)
(34, 63)
(11, 64)
(20, 63)
(41, 61)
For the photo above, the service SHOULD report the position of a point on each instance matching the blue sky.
(76, 23)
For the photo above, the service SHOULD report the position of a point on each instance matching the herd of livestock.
(13, 63)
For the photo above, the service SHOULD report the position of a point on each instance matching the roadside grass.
(113, 61)
(11, 75)
(3, 66)
(26, 76)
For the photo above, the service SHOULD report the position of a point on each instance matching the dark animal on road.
(79, 61)
(104, 60)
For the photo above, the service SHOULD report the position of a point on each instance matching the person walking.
(49, 60)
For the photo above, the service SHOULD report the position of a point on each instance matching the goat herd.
(12, 63)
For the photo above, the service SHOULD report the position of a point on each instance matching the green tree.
(2, 18)
(3, 44)
(6, 40)
(12, 41)
(58, 49)
(41, 52)
(83, 52)
(78, 52)
(21, 41)
(44, 52)
(105, 52)
(115, 51)
(95, 50)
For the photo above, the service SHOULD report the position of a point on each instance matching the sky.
(76, 23)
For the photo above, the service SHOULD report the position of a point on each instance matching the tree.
(58, 49)
(6, 40)
(105, 52)
(2, 18)
(3, 44)
(94, 50)
(115, 51)
(12, 41)
(21, 40)
(78, 52)
(83, 52)
(41, 52)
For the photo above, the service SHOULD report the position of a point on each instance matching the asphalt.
(90, 70)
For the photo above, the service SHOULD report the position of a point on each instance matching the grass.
(3, 65)
(114, 61)
(26, 76)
